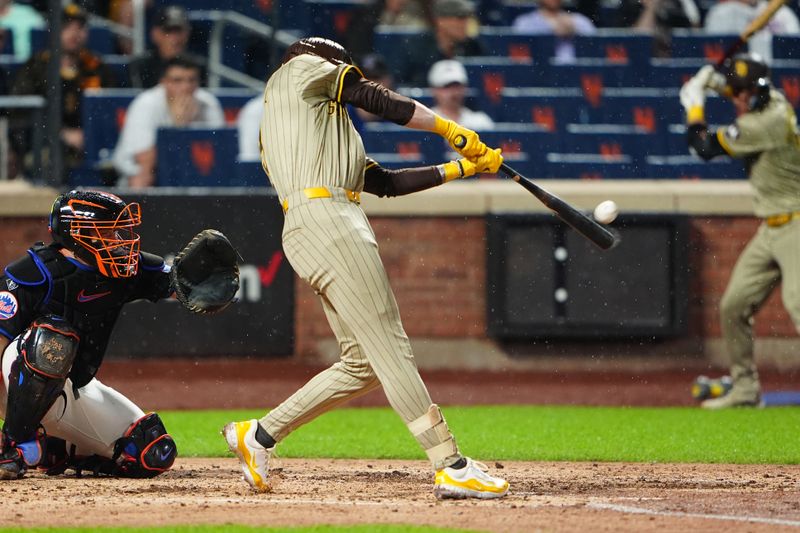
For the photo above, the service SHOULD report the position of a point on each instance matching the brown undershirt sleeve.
(384, 182)
(376, 99)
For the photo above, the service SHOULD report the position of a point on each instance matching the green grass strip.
(533, 433)
(364, 528)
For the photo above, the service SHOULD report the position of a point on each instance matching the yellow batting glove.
(463, 168)
(462, 140)
(489, 162)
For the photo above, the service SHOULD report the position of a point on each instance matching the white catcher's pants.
(92, 423)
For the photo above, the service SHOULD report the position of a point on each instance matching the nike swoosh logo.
(165, 455)
(83, 297)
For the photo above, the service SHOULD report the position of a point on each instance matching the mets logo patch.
(8, 305)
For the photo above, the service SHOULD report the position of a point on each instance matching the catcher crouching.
(58, 306)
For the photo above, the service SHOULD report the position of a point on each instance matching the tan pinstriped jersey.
(770, 137)
(307, 138)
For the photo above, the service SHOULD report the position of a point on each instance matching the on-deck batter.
(316, 162)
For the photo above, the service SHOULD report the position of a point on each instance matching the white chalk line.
(732, 518)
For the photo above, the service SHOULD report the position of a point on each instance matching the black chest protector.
(87, 300)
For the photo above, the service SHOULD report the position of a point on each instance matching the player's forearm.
(423, 118)
(384, 182)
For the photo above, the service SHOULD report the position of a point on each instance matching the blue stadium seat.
(701, 45)
(673, 72)
(250, 174)
(103, 114)
(251, 8)
(649, 108)
(8, 45)
(786, 47)
(594, 72)
(591, 167)
(330, 18)
(395, 146)
(197, 157)
(101, 40)
(612, 141)
(622, 47)
(688, 166)
(503, 42)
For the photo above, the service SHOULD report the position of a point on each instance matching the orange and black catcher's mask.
(99, 229)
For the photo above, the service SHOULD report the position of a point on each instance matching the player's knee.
(145, 450)
(359, 369)
(51, 347)
(733, 307)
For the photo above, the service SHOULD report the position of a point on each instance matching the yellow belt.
(779, 220)
(323, 192)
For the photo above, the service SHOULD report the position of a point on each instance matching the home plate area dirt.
(544, 496)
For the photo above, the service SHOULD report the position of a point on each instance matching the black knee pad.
(145, 450)
(38, 375)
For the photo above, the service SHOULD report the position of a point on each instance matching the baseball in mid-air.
(606, 212)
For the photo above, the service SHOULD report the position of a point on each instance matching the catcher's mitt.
(205, 274)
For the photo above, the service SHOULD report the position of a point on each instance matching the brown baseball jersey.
(315, 160)
(769, 142)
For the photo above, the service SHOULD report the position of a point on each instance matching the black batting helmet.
(745, 72)
(98, 228)
(318, 46)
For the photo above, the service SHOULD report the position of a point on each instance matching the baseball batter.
(316, 162)
(765, 136)
(58, 306)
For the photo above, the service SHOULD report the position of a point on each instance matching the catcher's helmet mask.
(98, 228)
(318, 46)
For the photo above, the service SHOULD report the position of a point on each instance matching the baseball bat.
(580, 222)
(756, 24)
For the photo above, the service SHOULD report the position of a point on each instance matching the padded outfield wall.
(434, 245)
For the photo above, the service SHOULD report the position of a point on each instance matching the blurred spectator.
(80, 70)
(407, 13)
(552, 19)
(20, 19)
(658, 18)
(177, 101)
(170, 35)
(448, 79)
(733, 16)
(248, 124)
(450, 38)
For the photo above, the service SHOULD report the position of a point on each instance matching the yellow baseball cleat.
(472, 481)
(254, 458)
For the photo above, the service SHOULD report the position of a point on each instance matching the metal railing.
(216, 69)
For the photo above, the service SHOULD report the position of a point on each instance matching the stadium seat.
(102, 115)
(613, 141)
(786, 47)
(102, 41)
(689, 166)
(591, 167)
(700, 45)
(503, 42)
(623, 47)
(197, 157)
(251, 174)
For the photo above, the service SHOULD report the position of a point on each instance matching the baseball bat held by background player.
(756, 24)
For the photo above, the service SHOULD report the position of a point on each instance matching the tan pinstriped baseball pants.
(330, 245)
(772, 257)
